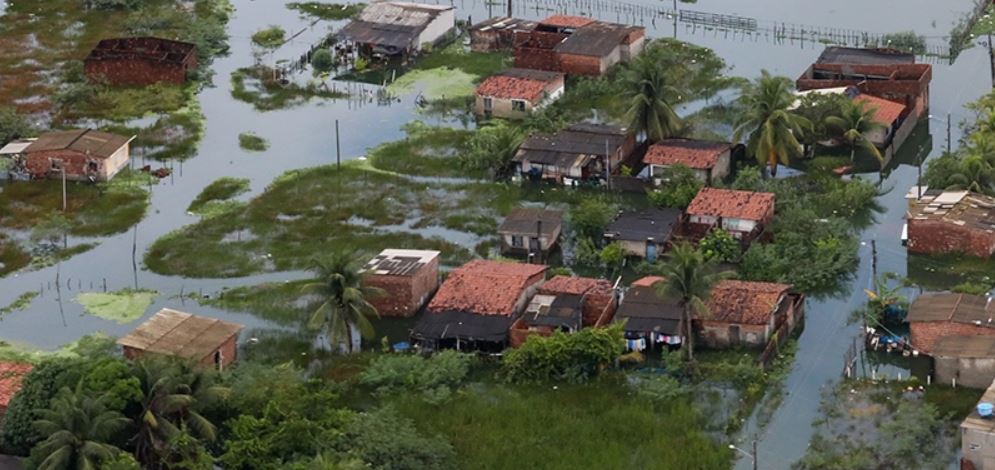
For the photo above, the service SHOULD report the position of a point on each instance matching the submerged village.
(547, 234)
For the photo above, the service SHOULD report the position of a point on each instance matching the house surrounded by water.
(140, 61)
(952, 222)
(516, 93)
(577, 45)
(394, 28)
(581, 153)
(78, 155)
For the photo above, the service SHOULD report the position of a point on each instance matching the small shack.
(968, 361)
(748, 313)
(498, 34)
(81, 154)
(710, 161)
(934, 316)
(650, 321)
(11, 377)
(207, 341)
(407, 277)
(645, 233)
(392, 28)
(530, 231)
(977, 436)
(567, 304)
(516, 93)
(744, 214)
(952, 222)
(140, 61)
(581, 153)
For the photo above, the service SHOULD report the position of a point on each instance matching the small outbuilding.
(516, 93)
(498, 34)
(528, 231)
(748, 313)
(649, 320)
(967, 361)
(393, 28)
(710, 161)
(407, 277)
(140, 61)
(207, 341)
(744, 214)
(82, 154)
(581, 153)
(645, 233)
(934, 316)
(952, 222)
(11, 377)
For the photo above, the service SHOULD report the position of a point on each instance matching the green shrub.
(252, 142)
(388, 441)
(435, 376)
(322, 61)
(680, 186)
(269, 38)
(573, 357)
(719, 244)
(589, 218)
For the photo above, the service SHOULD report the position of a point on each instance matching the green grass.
(278, 302)
(124, 103)
(219, 190)
(953, 403)
(22, 302)
(327, 11)
(270, 37)
(12, 256)
(599, 425)
(123, 307)
(453, 56)
(944, 271)
(255, 86)
(426, 151)
(252, 142)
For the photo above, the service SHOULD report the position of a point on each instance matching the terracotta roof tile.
(529, 85)
(485, 287)
(745, 302)
(567, 21)
(648, 281)
(697, 154)
(730, 203)
(11, 376)
(574, 285)
(886, 112)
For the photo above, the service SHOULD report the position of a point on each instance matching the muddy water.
(304, 136)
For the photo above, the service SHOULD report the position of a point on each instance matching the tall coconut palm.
(173, 393)
(688, 279)
(79, 429)
(975, 173)
(772, 129)
(853, 124)
(344, 305)
(648, 96)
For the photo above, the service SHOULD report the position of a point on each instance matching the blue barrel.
(985, 409)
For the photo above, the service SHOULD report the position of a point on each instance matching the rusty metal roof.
(85, 141)
(181, 334)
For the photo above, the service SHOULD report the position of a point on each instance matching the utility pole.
(948, 133)
(63, 171)
(338, 148)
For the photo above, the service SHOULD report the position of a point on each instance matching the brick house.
(580, 153)
(11, 377)
(649, 320)
(407, 277)
(498, 34)
(140, 61)
(83, 154)
(747, 313)
(477, 304)
(934, 316)
(565, 303)
(398, 28)
(710, 161)
(646, 233)
(951, 222)
(516, 93)
(743, 214)
(207, 341)
(576, 45)
(530, 231)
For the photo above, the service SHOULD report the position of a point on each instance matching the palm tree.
(688, 279)
(854, 122)
(648, 95)
(773, 129)
(79, 428)
(975, 173)
(344, 303)
(172, 394)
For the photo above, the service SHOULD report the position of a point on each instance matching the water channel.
(302, 136)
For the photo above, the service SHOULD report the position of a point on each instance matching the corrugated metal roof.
(656, 224)
(596, 39)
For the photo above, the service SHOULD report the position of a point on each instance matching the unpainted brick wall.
(137, 71)
(924, 335)
(934, 236)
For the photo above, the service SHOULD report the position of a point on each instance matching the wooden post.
(63, 170)
(338, 148)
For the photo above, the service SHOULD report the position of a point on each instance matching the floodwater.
(303, 136)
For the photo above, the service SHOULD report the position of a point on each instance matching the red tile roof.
(730, 203)
(486, 287)
(744, 302)
(697, 154)
(11, 376)
(574, 285)
(529, 88)
(886, 112)
(648, 281)
(567, 21)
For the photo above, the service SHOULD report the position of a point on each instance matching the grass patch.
(252, 142)
(327, 11)
(22, 302)
(221, 189)
(437, 83)
(426, 151)
(123, 307)
(124, 103)
(944, 271)
(255, 85)
(12, 256)
(270, 37)
(279, 302)
(454, 56)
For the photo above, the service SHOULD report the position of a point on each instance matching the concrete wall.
(501, 107)
(978, 447)
(923, 335)
(935, 236)
(715, 334)
(546, 243)
(437, 28)
(76, 164)
(969, 372)
(138, 71)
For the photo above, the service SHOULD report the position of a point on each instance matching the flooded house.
(516, 93)
(11, 378)
(935, 316)
(408, 279)
(581, 153)
(498, 34)
(710, 161)
(748, 313)
(78, 155)
(393, 28)
(977, 434)
(646, 233)
(744, 214)
(649, 320)
(951, 222)
(140, 61)
(206, 341)
(476, 306)
(577, 45)
(530, 231)
(967, 361)
(567, 304)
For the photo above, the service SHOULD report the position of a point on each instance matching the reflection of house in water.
(951, 222)
(398, 28)
(81, 154)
